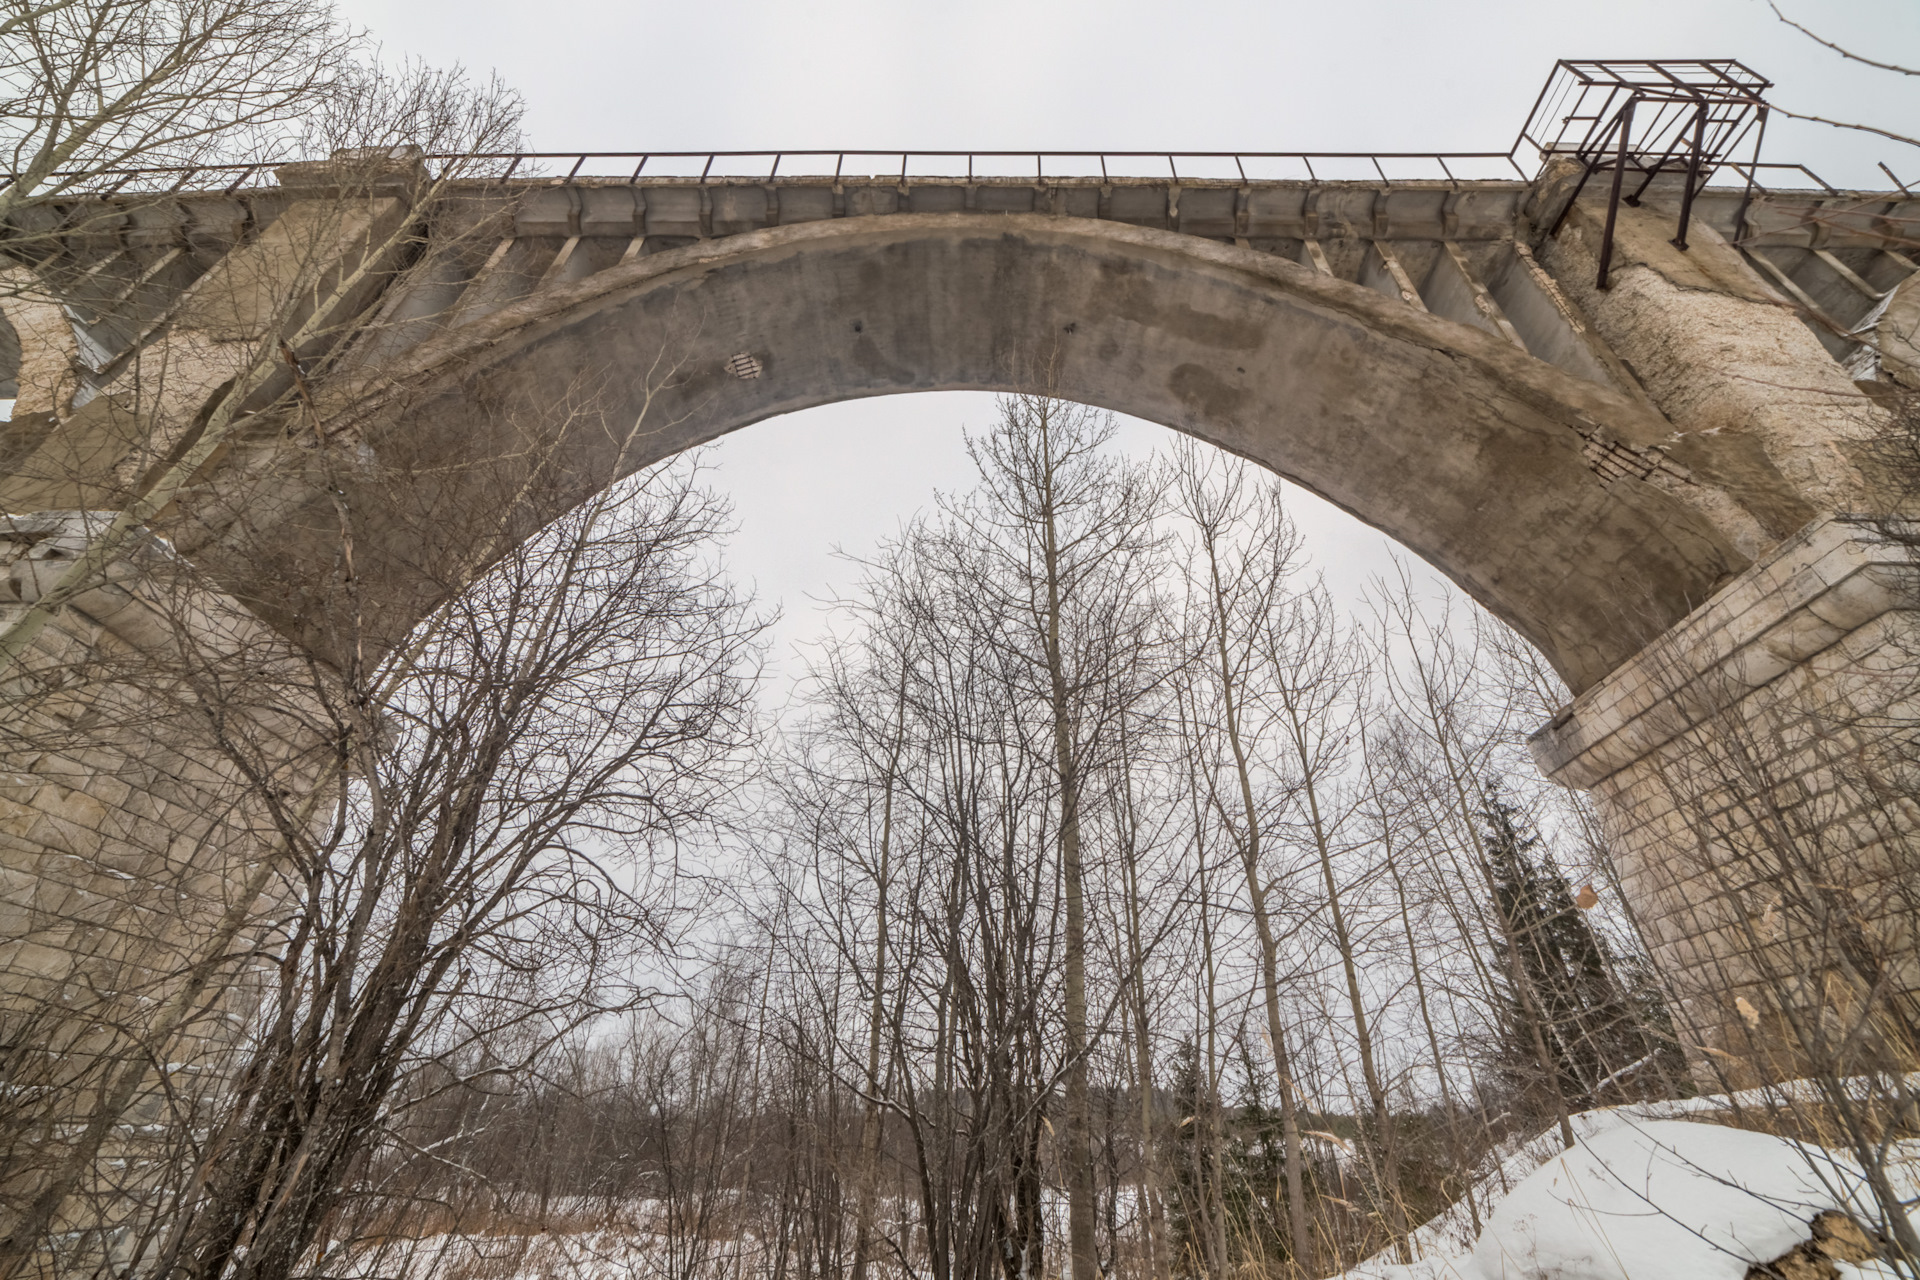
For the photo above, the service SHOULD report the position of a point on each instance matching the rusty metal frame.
(1692, 116)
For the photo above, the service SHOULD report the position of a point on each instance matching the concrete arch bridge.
(1665, 484)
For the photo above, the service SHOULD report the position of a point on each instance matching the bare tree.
(94, 88)
(1068, 539)
(1431, 689)
(186, 675)
(496, 864)
(1246, 550)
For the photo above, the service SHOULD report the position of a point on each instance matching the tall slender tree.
(1247, 547)
(1068, 559)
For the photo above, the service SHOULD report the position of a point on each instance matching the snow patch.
(1655, 1199)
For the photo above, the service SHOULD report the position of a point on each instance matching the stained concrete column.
(1758, 406)
(157, 744)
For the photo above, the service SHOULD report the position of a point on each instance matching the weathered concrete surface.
(1478, 456)
(1890, 338)
(91, 442)
(1593, 467)
(1392, 346)
(1762, 412)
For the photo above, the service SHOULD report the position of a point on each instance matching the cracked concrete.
(1762, 412)
(1461, 446)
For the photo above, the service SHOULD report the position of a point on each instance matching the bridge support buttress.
(1757, 772)
(1757, 766)
(160, 741)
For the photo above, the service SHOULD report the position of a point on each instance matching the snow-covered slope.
(1643, 1198)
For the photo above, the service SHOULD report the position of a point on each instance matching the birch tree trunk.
(1082, 1212)
(1214, 516)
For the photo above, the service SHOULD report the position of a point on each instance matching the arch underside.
(1466, 450)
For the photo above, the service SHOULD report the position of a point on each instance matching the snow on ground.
(1455, 1231)
(1651, 1191)
(626, 1246)
(1646, 1198)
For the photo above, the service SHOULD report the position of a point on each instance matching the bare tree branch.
(1848, 124)
(1843, 52)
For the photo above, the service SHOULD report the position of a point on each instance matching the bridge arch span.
(1465, 449)
(1716, 584)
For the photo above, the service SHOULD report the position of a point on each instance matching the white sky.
(1206, 75)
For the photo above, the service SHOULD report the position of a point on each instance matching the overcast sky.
(1204, 75)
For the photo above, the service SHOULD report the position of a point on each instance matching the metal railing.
(1040, 166)
(769, 165)
(1694, 113)
(707, 167)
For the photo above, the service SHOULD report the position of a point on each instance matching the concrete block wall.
(149, 736)
(1756, 769)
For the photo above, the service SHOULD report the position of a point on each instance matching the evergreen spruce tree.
(1252, 1191)
(1190, 1175)
(1256, 1163)
(1605, 1020)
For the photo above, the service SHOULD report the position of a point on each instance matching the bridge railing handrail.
(116, 180)
(515, 159)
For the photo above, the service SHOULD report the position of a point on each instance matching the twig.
(1848, 124)
(1843, 52)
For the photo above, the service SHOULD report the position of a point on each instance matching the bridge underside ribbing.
(1393, 413)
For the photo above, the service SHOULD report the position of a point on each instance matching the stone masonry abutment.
(160, 748)
(1754, 769)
